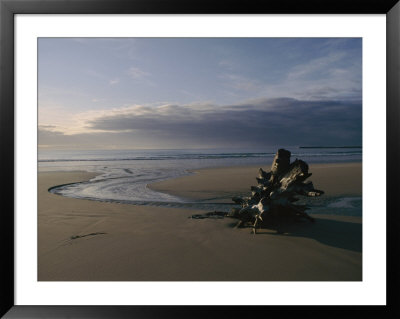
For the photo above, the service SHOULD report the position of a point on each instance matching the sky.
(178, 93)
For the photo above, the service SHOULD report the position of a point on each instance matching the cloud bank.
(258, 123)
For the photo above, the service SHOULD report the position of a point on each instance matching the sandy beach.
(335, 179)
(83, 240)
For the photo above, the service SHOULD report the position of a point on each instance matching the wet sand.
(83, 240)
(335, 179)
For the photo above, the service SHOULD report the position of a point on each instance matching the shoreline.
(168, 185)
(85, 240)
(336, 179)
(210, 189)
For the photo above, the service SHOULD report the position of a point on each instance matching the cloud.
(321, 64)
(334, 76)
(258, 123)
(240, 82)
(95, 74)
(50, 128)
(114, 81)
(136, 73)
(227, 64)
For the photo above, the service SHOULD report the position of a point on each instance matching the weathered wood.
(281, 162)
(272, 200)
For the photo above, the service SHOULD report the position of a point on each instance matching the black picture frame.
(8, 8)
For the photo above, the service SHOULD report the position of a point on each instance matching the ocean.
(124, 174)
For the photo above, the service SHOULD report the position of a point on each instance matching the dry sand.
(82, 240)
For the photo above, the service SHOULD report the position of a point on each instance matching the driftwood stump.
(272, 200)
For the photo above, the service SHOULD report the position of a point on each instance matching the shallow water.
(124, 175)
